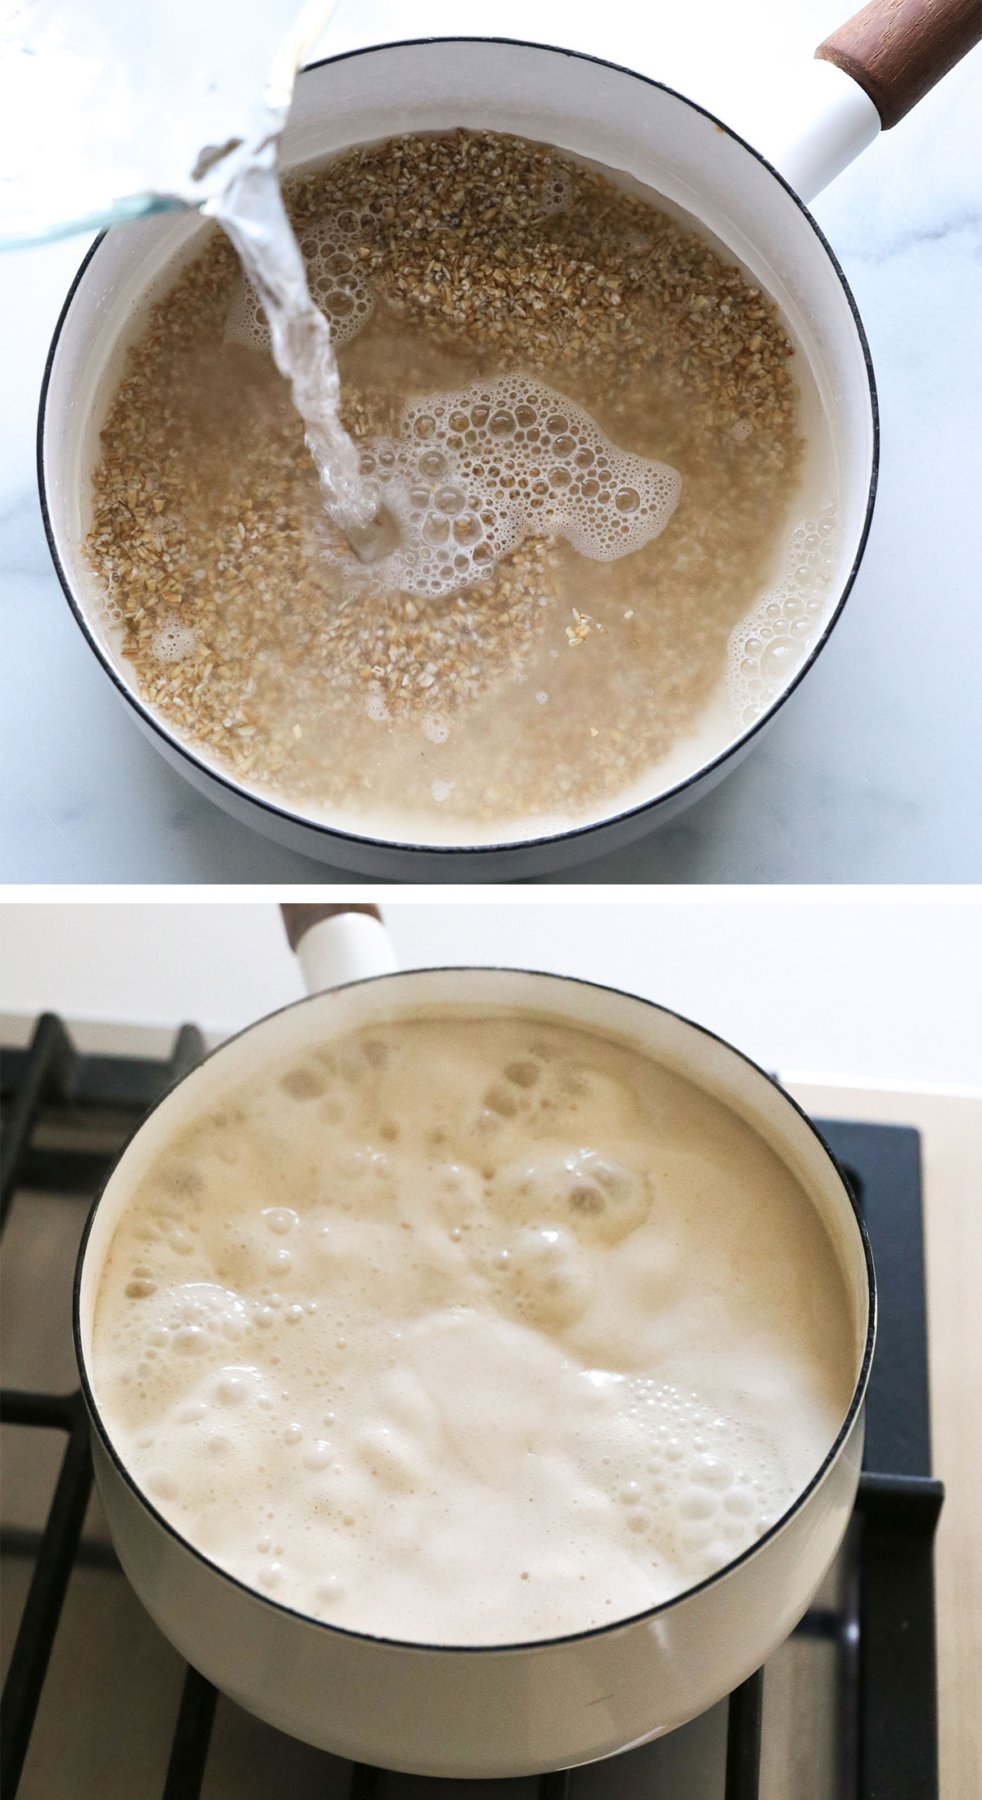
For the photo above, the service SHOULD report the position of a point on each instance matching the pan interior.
(642, 135)
(687, 1049)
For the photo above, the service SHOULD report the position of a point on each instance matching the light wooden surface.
(951, 1129)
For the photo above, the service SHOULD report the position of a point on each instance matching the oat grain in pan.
(462, 706)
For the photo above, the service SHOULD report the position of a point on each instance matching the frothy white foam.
(471, 1331)
(472, 473)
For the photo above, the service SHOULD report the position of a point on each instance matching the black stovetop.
(96, 1704)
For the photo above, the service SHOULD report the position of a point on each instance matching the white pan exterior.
(619, 119)
(524, 1709)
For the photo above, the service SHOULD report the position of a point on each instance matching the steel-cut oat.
(558, 682)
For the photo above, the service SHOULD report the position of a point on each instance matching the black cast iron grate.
(893, 1697)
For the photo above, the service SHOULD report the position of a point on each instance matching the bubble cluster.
(110, 610)
(552, 1281)
(558, 192)
(596, 1197)
(334, 276)
(708, 1485)
(768, 646)
(472, 473)
(173, 642)
(180, 1325)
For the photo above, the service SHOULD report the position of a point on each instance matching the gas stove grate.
(888, 1635)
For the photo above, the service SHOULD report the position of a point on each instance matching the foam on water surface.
(471, 1330)
(475, 472)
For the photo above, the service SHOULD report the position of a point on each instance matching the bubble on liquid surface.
(551, 1279)
(595, 1197)
(173, 642)
(475, 471)
(557, 192)
(280, 1219)
(236, 1385)
(304, 1083)
(198, 1313)
(787, 619)
(334, 276)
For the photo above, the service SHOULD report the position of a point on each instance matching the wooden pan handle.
(896, 50)
(299, 919)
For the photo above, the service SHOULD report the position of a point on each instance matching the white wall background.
(884, 991)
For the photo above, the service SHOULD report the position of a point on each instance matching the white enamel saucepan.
(896, 49)
(524, 1707)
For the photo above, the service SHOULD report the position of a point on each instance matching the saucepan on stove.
(480, 1710)
(868, 75)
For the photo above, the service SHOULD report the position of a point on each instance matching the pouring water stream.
(251, 211)
(162, 123)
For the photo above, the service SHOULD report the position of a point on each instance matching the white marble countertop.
(871, 773)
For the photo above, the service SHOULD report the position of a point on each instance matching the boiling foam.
(471, 1331)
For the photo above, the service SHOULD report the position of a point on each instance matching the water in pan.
(518, 338)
